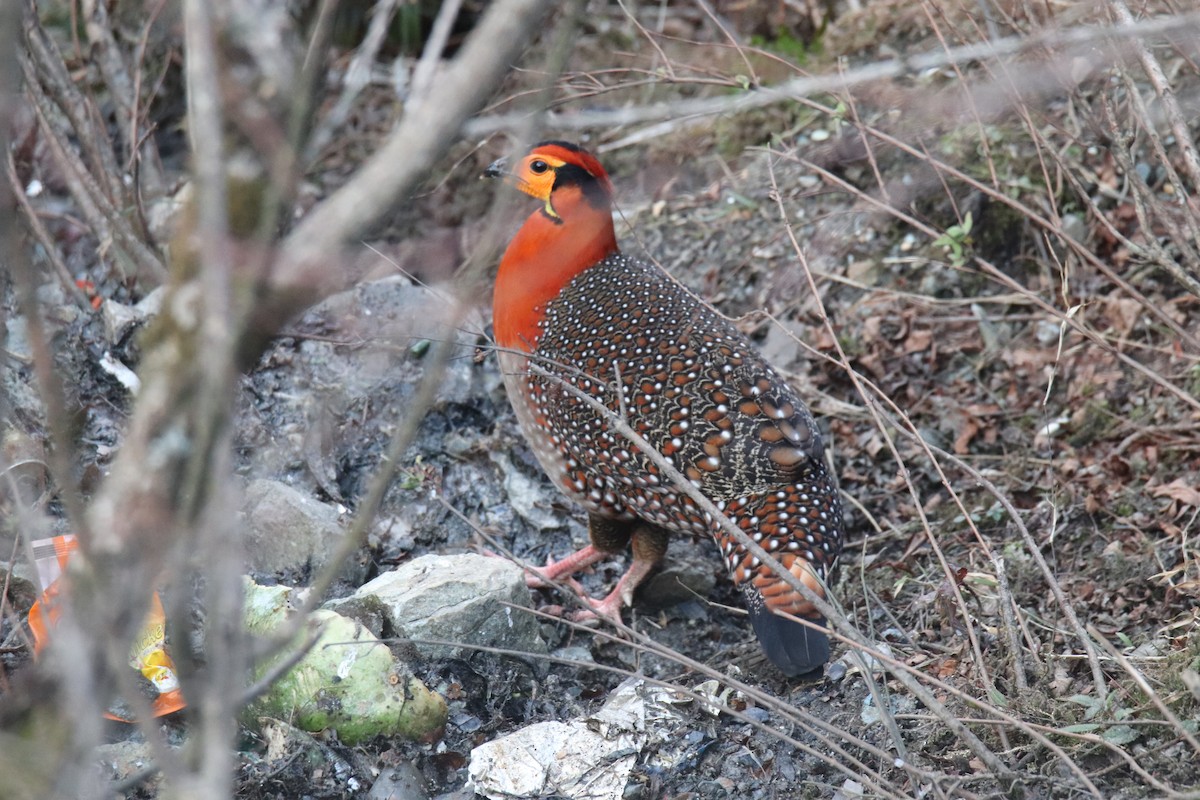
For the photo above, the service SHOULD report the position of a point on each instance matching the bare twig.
(79, 109)
(1072, 43)
(423, 132)
(1154, 71)
(435, 48)
(43, 236)
(358, 74)
(95, 204)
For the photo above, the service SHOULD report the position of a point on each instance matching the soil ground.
(971, 389)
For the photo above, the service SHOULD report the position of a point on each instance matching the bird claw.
(558, 573)
(535, 577)
(578, 616)
(607, 608)
(543, 578)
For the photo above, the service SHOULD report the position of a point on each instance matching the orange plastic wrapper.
(148, 655)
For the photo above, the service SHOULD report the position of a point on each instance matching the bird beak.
(497, 169)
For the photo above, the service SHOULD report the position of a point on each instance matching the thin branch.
(43, 236)
(435, 47)
(424, 132)
(1067, 44)
(109, 225)
(80, 110)
(358, 74)
(1154, 71)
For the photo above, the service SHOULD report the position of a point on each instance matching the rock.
(897, 704)
(24, 457)
(16, 339)
(26, 409)
(162, 213)
(286, 744)
(401, 782)
(530, 498)
(457, 598)
(335, 394)
(23, 584)
(121, 760)
(394, 324)
(347, 682)
(687, 577)
(577, 653)
(288, 531)
(120, 319)
(59, 311)
(588, 757)
(290, 749)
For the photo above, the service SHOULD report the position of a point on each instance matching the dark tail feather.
(792, 647)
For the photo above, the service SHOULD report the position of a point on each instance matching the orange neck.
(543, 258)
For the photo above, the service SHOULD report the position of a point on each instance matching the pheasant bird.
(573, 317)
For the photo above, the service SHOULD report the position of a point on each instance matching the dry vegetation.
(968, 229)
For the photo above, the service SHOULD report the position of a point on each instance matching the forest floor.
(968, 282)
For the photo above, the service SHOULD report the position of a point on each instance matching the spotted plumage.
(624, 333)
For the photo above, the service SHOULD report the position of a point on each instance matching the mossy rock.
(348, 682)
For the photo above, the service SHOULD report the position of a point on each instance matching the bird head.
(553, 170)
(571, 231)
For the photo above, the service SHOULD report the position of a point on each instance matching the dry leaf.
(1180, 490)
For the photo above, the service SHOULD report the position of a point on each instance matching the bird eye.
(538, 167)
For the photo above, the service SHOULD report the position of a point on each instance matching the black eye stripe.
(572, 175)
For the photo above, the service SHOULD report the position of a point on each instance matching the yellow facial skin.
(535, 175)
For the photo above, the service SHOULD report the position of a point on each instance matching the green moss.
(1193, 381)
(850, 345)
(788, 46)
(348, 681)
(733, 133)
(1094, 424)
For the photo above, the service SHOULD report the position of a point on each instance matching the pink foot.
(609, 607)
(555, 571)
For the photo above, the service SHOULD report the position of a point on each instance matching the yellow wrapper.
(148, 655)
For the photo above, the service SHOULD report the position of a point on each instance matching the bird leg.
(608, 537)
(545, 577)
(609, 607)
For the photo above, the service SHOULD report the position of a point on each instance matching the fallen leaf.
(962, 442)
(918, 341)
(1180, 490)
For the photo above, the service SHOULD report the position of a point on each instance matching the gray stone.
(121, 760)
(16, 338)
(350, 386)
(23, 584)
(286, 744)
(459, 598)
(119, 318)
(688, 576)
(532, 499)
(24, 458)
(401, 782)
(287, 530)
